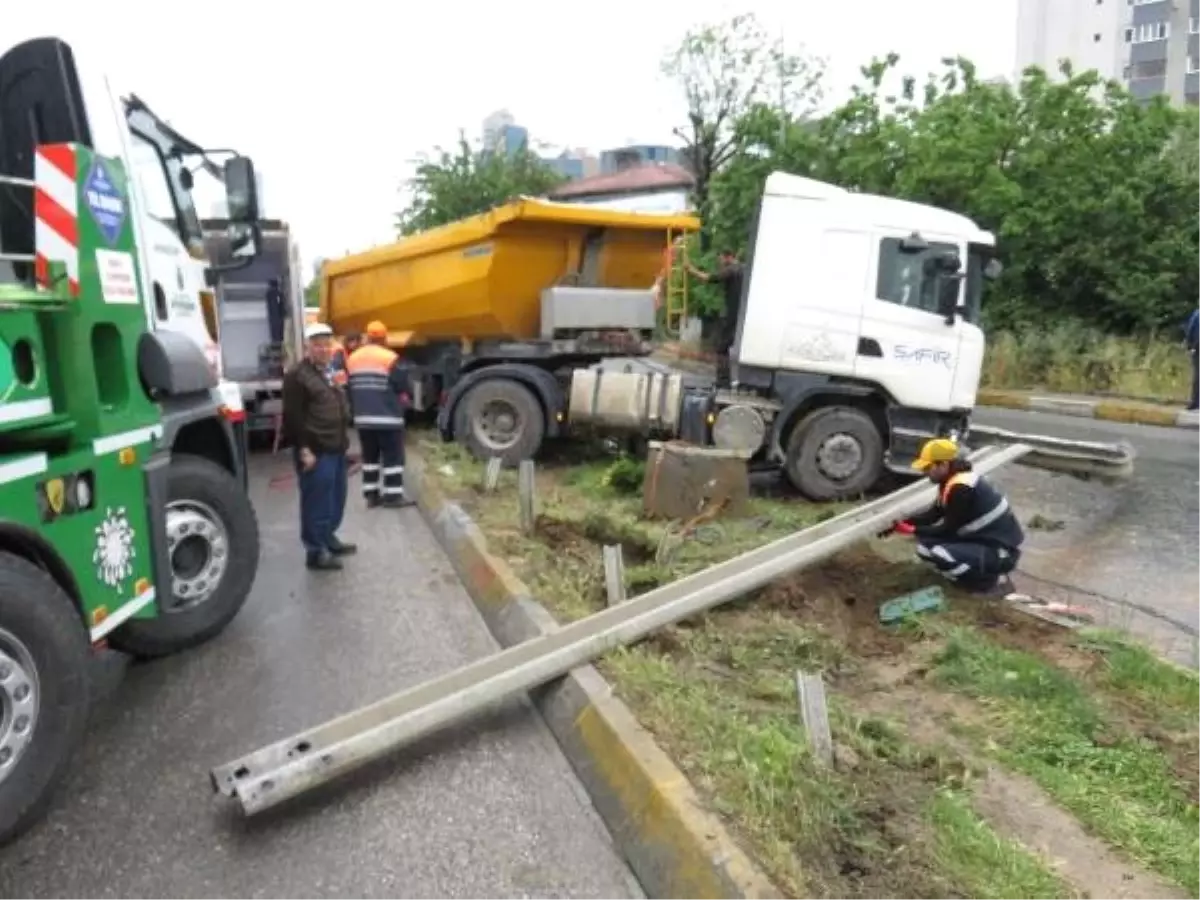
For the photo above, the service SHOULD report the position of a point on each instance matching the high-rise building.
(1151, 46)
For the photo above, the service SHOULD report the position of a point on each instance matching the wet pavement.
(1128, 551)
(489, 810)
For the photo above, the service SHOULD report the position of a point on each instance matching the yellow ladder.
(675, 287)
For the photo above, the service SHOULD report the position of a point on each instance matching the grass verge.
(895, 816)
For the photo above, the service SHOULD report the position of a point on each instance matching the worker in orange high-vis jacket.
(379, 395)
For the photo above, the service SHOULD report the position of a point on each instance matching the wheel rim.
(839, 456)
(199, 547)
(498, 426)
(20, 699)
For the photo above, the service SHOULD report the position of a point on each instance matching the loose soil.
(980, 751)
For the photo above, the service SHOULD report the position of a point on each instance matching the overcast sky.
(333, 100)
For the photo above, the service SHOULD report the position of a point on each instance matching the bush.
(1072, 358)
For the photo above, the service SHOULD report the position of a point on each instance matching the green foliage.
(312, 294)
(1091, 195)
(625, 475)
(466, 182)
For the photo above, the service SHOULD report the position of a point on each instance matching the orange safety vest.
(373, 395)
(968, 478)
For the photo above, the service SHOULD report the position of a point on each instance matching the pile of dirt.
(595, 531)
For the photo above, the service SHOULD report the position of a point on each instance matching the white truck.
(857, 339)
(250, 359)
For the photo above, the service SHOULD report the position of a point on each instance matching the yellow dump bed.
(482, 277)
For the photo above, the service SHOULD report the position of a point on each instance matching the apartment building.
(1152, 46)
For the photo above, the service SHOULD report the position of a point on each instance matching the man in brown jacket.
(316, 420)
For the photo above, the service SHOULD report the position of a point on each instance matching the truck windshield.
(977, 257)
(150, 137)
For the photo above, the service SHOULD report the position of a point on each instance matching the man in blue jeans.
(1191, 333)
(316, 420)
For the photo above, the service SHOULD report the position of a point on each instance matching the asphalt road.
(1128, 550)
(492, 810)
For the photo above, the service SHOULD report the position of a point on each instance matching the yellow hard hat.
(935, 451)
(377, 329)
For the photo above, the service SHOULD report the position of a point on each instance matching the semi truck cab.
(861, 311)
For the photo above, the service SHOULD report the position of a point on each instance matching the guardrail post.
(491, 475)
(814, 714)
(526, 494)
(614, 574)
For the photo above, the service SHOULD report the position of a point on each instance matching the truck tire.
(500, 417)
(834, 453)
(44, 653)
(212, 535)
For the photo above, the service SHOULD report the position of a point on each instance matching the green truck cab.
(124, 517)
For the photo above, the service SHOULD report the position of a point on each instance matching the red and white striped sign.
(56, 209)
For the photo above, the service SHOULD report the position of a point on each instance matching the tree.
(467, 182)
(1091, 194)
(725, 71)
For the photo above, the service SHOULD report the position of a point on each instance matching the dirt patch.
(596, 531)
(1016, 806)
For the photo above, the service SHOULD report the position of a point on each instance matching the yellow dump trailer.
(484, 277)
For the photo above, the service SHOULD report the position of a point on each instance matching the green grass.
(972, 854)
(1048, 724)
(896, 824)
(1072, 359)
(1131, 670)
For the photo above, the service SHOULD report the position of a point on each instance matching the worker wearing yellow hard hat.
(970, 534)
(379, 396)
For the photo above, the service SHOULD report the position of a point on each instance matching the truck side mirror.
(241, 190)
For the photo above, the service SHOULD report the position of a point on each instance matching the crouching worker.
(970, 535)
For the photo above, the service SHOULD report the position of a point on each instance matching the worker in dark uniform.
(316, 421)
(729, 276)
(970, 535)
(379, 392)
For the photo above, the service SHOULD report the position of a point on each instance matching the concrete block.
(682, 481)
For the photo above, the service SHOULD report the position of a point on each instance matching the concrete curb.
(1112, 410)
(673, 845)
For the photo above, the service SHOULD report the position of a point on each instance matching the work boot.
(323, 561)
(400, 502)
(338, 547)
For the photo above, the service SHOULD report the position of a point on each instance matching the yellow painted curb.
(674, 846)
(1116, 411)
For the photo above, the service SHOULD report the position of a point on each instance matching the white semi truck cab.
(857, 339)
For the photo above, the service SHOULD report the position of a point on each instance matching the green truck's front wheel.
(44, 655)
(212, 536)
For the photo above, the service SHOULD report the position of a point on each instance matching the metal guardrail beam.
(293, 766)
(1084, 459)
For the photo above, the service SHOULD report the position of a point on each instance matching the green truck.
(124, 517)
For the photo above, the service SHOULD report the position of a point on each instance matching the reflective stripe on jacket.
(989, 518)
(376, 382)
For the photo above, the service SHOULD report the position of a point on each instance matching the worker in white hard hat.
(316, 420)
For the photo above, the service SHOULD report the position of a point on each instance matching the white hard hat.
(316, 330)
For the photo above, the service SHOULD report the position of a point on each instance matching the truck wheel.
(500, 417)
(44, 652)
(834, 453)
(212, 539)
